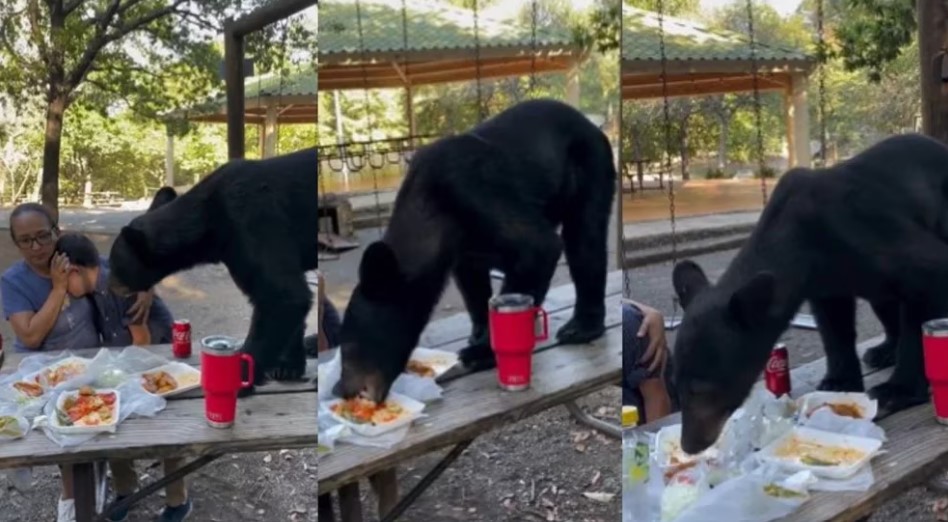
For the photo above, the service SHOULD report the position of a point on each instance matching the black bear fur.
(492, 197)
(258, 218)
(873, 227)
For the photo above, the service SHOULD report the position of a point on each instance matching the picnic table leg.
(324, 511)
(350, 505)
(83, 487)
(599, 425)
(385, 485)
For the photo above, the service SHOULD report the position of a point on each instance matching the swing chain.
(368, 116)
(757, 103)
(481, 113)
(823, 56)
(533, 54)
(667, 117)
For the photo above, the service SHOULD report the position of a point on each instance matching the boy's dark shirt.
(112, 319)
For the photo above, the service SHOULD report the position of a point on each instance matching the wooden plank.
(264, 422)
(306, 384)
(475, 405)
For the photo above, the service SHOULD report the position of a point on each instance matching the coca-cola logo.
(181, 336)
(777, 365)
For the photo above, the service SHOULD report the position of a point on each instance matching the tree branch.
(99, 41)
(72, 6)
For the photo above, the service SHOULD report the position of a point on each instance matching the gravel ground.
(265, 487)
(540, 468)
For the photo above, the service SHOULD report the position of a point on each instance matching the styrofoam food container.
(869, 407)
(54, 419)
(439, 360)
(68, 360)
(181, 372)
(410, 405)
(869, 448)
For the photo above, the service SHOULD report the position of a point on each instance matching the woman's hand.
(59, 271)
(139, 310)
(653, 325)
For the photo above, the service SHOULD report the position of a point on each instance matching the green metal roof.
(431, 25)
(686, 40)
(270, 85)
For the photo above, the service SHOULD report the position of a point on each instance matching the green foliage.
(872, 33)
(766, 173)
(716, 173)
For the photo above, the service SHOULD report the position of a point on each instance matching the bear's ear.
(164, 196)
(750, 305)
(137, 240)
(689, 280)
(379, 273)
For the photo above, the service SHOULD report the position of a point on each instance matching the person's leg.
(66, 511)
(178, 503)
(124, 483)
(66, 472)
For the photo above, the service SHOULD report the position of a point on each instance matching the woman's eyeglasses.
(41, 239)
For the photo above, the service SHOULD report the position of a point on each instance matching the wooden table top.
(473, 404)
(280, 415)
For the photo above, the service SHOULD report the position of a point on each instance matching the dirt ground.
(271, 486)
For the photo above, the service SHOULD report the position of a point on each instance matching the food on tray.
(159, 382)
(683, 491)
(776, 491)
(420, 368)
(88, 408)
(364, 411)
(62, 372)
(843, 409)
(9, 427)
(814, 454)
(27, 388)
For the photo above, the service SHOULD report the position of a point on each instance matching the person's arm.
(322, 342)
(33, 327)
(141, 336)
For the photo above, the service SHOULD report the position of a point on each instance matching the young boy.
(88, 278)
(644, 361)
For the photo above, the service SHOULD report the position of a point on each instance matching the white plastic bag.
(683, 490)
(745, 499)
(423, 389)
(13, 425)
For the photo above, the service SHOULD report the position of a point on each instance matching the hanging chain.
(823, 56)
(667, 116)
(283, 72)
(761, 162)
(368, 118)
(481, 113)
(533, 59)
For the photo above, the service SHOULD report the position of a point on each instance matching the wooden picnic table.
(280, 415)
(916, 449)
(473, 405)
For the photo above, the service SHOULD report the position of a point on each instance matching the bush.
(766, 173)
(717, 174)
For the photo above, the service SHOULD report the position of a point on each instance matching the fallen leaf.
(599, 496)
(580, 436)
(267, 458)
(580, 448)
(547, 503)
(595, 478)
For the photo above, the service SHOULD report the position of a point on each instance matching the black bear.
(874, 226)
(492, 197)
(258, 218)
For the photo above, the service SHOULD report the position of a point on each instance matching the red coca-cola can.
(181, 339)
(777, 373)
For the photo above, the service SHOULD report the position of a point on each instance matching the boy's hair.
(80, 250)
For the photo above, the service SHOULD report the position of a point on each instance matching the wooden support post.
(270, 131)
(932, 38)
(234, 76)
(799, 117)
(572, 84)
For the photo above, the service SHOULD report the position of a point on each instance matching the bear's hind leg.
(291, 365)
(836, 321)
(472, 276)
(585, 242)
(882, 355)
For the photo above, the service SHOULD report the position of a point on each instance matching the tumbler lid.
(221, 344)
(936, 328)
(511, 303)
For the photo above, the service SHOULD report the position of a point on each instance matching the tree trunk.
(685, 174)
(722, 142)
(932, 37)
(52, 147)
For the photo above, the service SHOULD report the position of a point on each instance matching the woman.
(37, 305)
(644, 361)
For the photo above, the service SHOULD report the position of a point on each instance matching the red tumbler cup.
(515, 327)
(221, 379)
(935, 344)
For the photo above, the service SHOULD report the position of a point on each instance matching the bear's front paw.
(880, 356)
(894, 397)
(576, 331)
(480, 335)
(477, 357)
(841, 384)
(288, 371)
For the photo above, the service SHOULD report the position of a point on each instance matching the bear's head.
(132, 260)
(720, 349)
(380, 328)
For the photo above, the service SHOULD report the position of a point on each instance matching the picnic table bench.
(280, 415)
(916, 449)
(473, 405)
